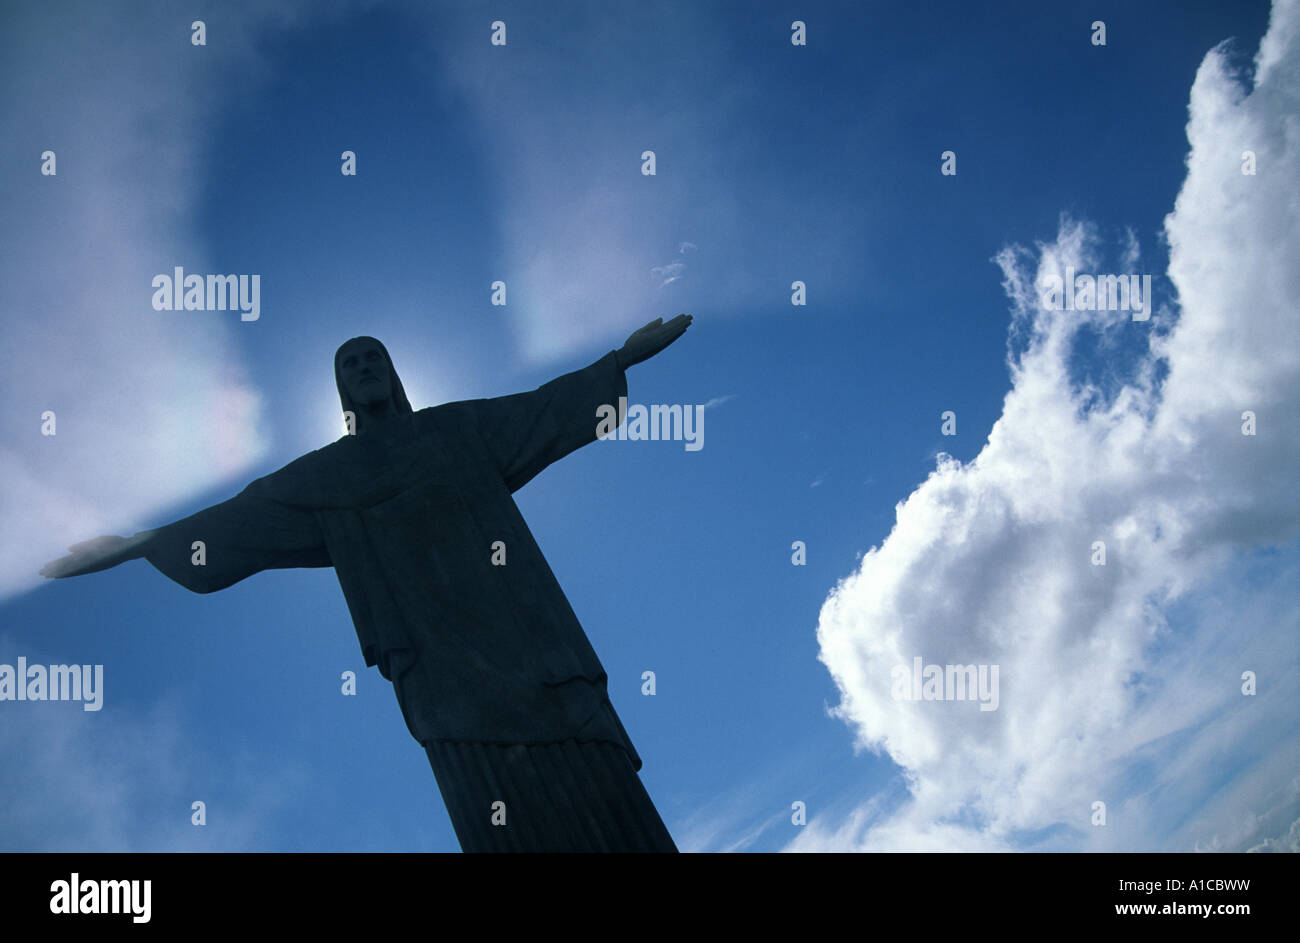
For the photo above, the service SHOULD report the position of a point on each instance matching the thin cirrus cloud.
(676, 269)
(580, 226)
(584, 233)
(127, 778)
(668, 273)
(148, 407)
(1121, 683)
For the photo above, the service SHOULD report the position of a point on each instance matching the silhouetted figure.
(449, 593)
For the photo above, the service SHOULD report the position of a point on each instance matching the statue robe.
(494, 675)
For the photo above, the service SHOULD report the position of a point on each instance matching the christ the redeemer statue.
(494, 675)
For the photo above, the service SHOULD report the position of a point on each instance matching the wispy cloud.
(675, 269)
(734, 818)
(149, 407)
(582, 229)
(124, 779)
(668, 273)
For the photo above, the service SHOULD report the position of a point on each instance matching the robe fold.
(483, 658)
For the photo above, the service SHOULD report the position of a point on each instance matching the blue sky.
(775, 163)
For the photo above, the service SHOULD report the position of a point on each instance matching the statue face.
(365, 374)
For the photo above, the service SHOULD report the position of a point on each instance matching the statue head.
(365, 376)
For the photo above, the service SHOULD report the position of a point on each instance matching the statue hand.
(647, 341)
(91, 556)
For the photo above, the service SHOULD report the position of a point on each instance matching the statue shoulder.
(445, 415)
(299, 478)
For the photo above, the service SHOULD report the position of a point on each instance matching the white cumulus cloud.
(1120, 684)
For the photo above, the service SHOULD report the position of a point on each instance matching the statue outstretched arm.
(99, 553)
(215, 547)
(525, 432)
(647, 341)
